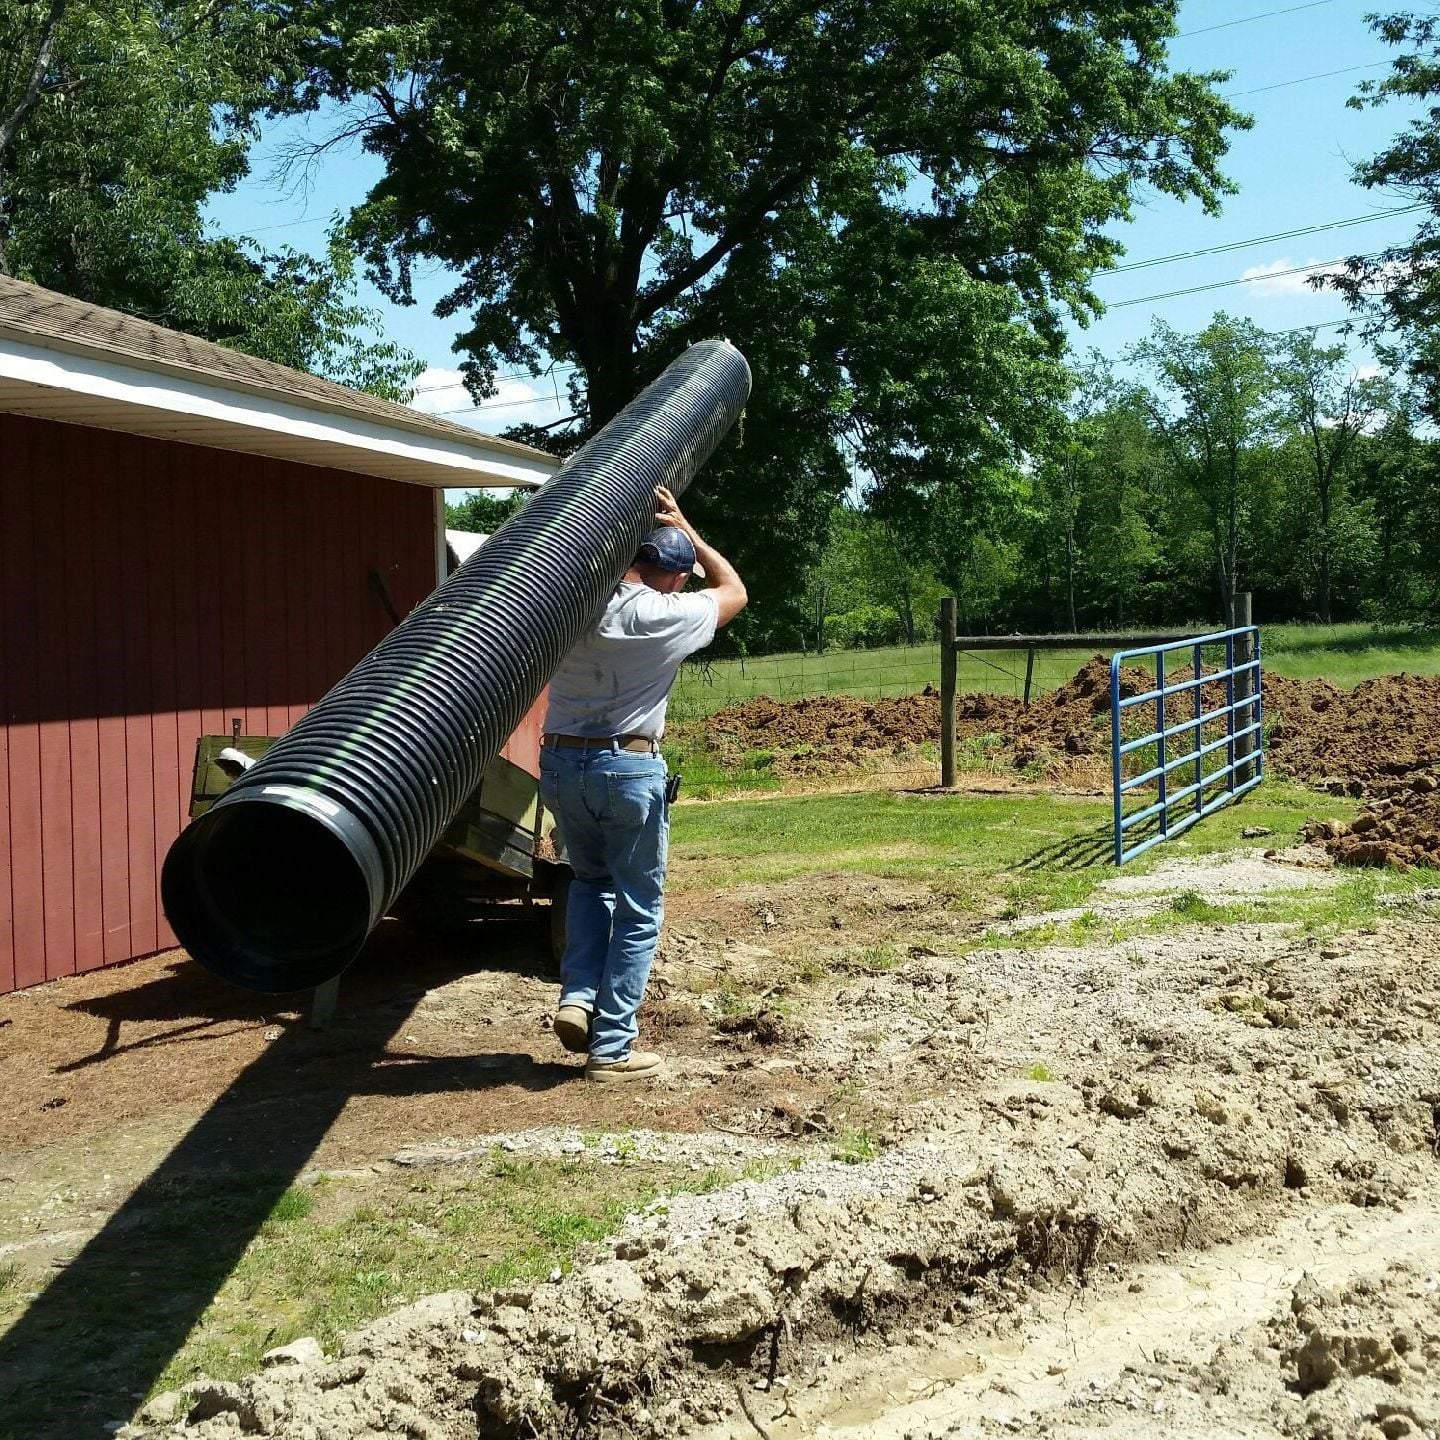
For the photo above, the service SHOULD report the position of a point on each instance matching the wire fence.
(856, 717)
(852, 717)
(706, 686)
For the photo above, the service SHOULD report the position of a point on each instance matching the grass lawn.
(1010, 856)
(334, 1254)
(1345, 654)
(1032, 851)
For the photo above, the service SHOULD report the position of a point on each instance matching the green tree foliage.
(1398, 288)
(1088, 534)
(1209, 405)
(483, 512)
(1397, 485)
(1335, 491)
(889, 205)
(117, 121)
(1328, 403)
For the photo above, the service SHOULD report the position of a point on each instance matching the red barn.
(188, 537)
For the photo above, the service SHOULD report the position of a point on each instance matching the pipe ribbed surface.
(277, 885)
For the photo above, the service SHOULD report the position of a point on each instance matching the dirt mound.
(1350, 739)
(823, 733)
(1401, 829)
(827, 723)
(1163, 1117)
(1074, 719)
(1356, 742)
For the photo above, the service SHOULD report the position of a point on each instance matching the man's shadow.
(95, 1340)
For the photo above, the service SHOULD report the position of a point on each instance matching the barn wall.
(151, 592)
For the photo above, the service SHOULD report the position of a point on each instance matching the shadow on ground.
(76, 1358)
(1085, 851)
(1369, 639)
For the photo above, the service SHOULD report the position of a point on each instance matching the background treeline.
(1223, 461)
(1211, 463)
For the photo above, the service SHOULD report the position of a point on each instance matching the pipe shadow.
(199, 1003)
(96, 1339)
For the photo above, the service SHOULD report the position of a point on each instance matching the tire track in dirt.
(1153, 1352)
(1197, 1087)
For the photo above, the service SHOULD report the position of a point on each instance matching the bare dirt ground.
(1352, 741)
(1399, 827)
(1181, 1184)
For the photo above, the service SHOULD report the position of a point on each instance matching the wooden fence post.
(1029, 672)
(1244, 689)
(947, 691)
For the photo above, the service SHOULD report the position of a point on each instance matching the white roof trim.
(89, 389)
(464, 543)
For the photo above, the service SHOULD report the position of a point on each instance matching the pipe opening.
(267, 897)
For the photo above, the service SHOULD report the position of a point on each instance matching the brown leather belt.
(636, 744)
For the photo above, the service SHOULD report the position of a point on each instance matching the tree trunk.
(1070, 577)
(1233, 543)
(907, 616)
(1325, 579)
(611, 383)
(1225, 583)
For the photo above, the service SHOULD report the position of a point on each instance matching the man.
(602, 778)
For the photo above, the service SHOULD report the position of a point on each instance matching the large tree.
(1210, 402)
(888, 204)
(1066, 472)
(1397, 289)
(1328, 402)
(1397, 476)
(117, 121)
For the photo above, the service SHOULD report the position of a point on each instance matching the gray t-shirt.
(617, 678)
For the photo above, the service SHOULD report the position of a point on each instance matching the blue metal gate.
(1206, 785)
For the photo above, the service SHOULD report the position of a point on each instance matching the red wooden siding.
(149, 593)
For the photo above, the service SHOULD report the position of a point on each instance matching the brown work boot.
(637, 1065)
(572, 1028)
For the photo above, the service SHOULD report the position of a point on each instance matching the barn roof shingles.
(30, 312)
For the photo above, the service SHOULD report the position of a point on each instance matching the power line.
(495, 405)
(1251, 19)
(1321, 325)
(265, 229)
(1315, 265)
(1261, 240)
(559, 369)
(1303, 79)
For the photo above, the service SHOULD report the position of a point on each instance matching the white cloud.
(440, 391)
(1272, 279)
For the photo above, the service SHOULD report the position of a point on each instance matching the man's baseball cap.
(669, 548)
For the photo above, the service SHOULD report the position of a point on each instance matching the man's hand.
(720, 575)
(667, 511)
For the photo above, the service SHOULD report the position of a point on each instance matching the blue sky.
(1293, 170)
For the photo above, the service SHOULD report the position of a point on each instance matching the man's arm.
(721, 576)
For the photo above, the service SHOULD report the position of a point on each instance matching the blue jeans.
(609, 806)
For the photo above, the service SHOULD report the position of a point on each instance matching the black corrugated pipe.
(277, 885)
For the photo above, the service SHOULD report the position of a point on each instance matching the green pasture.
(1025, 846)
(1015, 854)
(1345, 654)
